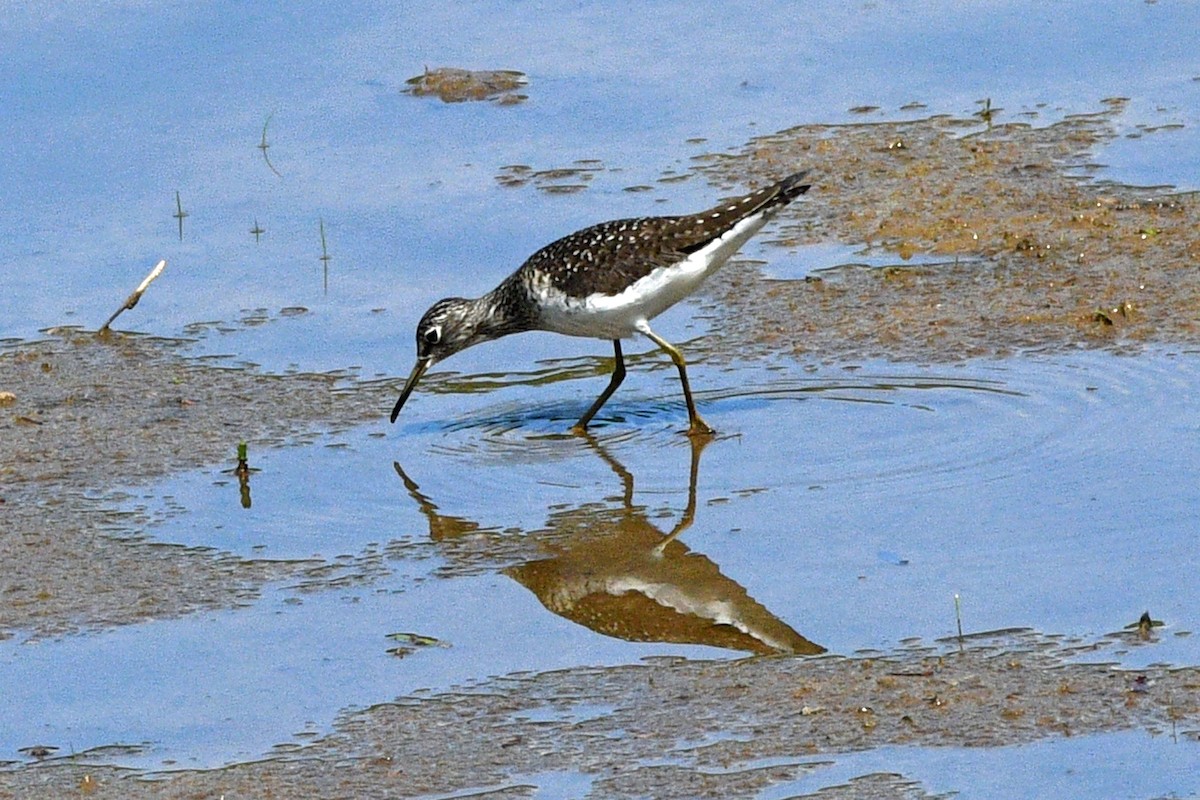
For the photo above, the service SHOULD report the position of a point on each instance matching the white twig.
(132, 300)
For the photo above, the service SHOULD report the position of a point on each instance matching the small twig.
(243, 470)
(325, 257)
(132, 300)
(958, 616)
(263, 145)
(180, 214)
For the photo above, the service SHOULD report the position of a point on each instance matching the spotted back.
(608, 257)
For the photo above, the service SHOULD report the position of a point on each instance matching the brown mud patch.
(1030, 252)
(89, 414)
(675, 728)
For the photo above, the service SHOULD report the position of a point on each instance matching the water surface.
(850, 500)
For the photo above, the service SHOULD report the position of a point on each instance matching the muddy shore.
(1002, 244)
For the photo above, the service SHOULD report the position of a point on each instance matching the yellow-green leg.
(697, 426)
(618, 375)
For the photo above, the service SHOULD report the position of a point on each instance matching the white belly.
(617, 316)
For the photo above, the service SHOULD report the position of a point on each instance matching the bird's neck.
(504, 310)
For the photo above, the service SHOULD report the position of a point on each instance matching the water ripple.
(863, 425)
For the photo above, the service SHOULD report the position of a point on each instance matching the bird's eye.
(433, 335)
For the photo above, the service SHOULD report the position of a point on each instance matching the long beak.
(410, 384)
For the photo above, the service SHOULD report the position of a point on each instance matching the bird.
(606, 281)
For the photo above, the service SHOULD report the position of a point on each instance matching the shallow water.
(113, 111)
(1131, 764)
(851, 501)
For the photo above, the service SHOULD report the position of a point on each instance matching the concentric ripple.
(1000, 432)
(878, 409)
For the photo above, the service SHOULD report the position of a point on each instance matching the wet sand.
(683, 729)
(1030, 253)
(92, 415)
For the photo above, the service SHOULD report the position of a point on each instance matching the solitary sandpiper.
(605, 282)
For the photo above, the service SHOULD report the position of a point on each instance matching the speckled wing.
(608, 257)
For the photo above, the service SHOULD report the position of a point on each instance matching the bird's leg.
(698, 444)
(697, 426)
(618, 375)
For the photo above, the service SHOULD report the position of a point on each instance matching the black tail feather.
(792, 186)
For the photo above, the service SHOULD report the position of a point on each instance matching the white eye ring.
(433, 335)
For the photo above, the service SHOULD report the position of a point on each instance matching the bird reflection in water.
(612, 570)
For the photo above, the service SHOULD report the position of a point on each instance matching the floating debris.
(133, 299)
(452, 85)
(408, 643)
(1145, 625)
(1114, 315)
(556, 180)
(39, 751)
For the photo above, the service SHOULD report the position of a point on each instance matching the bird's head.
(448, 326)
